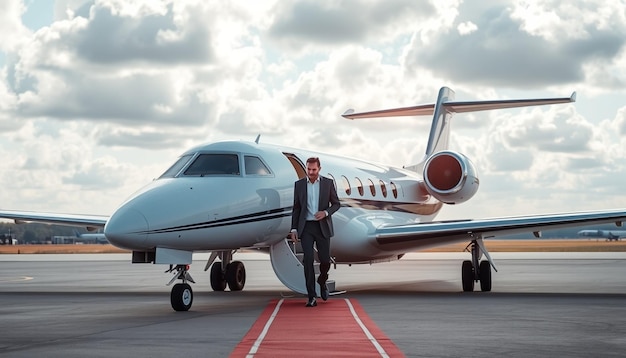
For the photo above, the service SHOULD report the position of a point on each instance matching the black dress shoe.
(312, 302)
(324, 292)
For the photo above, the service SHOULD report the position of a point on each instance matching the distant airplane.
(226, 196)
(609, 235)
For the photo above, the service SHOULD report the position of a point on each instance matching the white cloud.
(299, 24)
(620, 121)
(55, 170)
(561, 130)
(508, 49)
(12, 31)
(466, 28)
(556, 20)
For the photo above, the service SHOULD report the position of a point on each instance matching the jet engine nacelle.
(450, 177)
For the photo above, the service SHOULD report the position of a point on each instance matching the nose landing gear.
(181, 296)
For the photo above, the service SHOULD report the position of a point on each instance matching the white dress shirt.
(312, 198)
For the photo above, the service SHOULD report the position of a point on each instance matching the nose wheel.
(181, 296)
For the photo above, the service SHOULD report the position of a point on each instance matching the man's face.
(312, 171)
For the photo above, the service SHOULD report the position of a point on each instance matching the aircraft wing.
(445, 232)
(91, 222)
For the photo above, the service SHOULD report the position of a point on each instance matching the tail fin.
(442, 112)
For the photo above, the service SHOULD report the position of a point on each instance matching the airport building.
(8, 239)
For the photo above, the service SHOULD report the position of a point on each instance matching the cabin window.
(383, 188)
(372, 187)
(346, 185)
(214, 164)
(359, 186)
(176, 167)
(394, 189)
(254, 166)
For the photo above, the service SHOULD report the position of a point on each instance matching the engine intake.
(450, 177)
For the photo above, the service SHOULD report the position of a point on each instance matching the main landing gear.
(476, 270)
(226, 271)
(181, 296)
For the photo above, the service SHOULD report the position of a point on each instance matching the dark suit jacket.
(328, 201)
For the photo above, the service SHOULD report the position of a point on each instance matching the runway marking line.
(335, 328)
(15, 279)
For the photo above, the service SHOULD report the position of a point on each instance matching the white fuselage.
(248, 209)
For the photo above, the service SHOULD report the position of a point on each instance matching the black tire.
(181, 297)
(467, 276)
(484, 270)
(236, 275)
(218, 281)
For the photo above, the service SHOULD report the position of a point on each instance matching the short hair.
(314, 160)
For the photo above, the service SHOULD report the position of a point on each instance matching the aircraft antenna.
(257, 138)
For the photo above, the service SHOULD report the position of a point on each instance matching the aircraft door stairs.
(287, 259)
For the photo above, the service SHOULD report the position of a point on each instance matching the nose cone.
(127, 229)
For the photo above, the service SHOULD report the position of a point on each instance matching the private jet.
(227, 196)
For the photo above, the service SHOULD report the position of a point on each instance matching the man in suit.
(314, 201)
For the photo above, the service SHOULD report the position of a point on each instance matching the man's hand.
(293, 236)
(320, 215)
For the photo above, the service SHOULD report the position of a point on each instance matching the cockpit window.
(214, 164)
(174, 169)
(254, 166)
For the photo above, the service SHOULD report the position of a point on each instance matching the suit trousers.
(313, 234)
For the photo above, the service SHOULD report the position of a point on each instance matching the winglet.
(572, 98)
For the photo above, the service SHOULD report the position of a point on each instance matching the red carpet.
(288, 329)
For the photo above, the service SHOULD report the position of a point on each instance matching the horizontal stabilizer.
(475, 106)
(458, 107)
(423, 110)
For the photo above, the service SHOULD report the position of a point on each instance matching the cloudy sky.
(98, 98)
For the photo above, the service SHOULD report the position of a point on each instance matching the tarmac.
(100, 305)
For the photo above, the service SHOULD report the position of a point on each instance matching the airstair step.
(331, 285)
